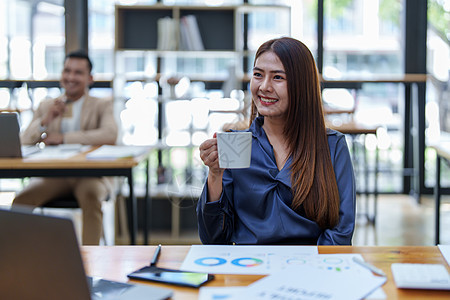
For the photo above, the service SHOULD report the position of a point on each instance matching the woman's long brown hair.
(313, 180)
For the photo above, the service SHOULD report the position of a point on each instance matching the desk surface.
(115, 262)
(352, 127)
(78, 161)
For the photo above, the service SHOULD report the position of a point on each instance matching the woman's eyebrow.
(272, 71)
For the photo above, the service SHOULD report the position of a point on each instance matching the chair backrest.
(68, 201)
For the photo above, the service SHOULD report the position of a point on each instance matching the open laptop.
(40, 259)
(10, 138)
(9, 135)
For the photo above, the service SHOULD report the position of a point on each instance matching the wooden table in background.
(79, 166)
(413, 117)
(443, 153)
(115, 262)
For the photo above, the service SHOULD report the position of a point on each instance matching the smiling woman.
(299, 188)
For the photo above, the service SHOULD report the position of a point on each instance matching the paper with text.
(115, 152)
(311, 283)
(56, 152)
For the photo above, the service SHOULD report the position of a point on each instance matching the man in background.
(73, 118)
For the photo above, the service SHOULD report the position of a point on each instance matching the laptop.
(10, 138)
(9, 135)
(40, 259)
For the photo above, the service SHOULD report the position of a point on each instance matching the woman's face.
(269, 86)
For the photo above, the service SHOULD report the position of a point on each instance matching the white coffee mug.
(235, 149)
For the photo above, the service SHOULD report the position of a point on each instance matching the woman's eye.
(278, 77)
(256, 74)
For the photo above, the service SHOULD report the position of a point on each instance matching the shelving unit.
(131, 20)
(224, 31)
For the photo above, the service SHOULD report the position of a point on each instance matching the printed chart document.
(309, 283)
(115, 152)
(322, 276)
(335, 276)
(257, 260)
(445, 250)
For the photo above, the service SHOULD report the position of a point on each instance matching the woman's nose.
(266, 85)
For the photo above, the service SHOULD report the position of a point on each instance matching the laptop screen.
(9, 135)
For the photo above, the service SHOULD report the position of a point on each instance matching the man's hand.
(55, 110)
(54, 138)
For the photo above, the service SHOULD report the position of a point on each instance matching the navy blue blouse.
(254, 207)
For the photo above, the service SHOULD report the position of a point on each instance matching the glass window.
(48, 39)
(32, 35)
(101, 37)
(438, 88)
(267, 24)
(19, 22)
(4, 37)
(362, 38)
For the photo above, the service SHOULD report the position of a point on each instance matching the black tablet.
(177, 277)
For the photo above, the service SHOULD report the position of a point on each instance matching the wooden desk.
(117, 261)
(443, 152)
(79, 166)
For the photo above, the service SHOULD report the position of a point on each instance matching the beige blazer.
(98, 126)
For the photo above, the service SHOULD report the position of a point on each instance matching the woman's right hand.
(209, 154)
(210, 157)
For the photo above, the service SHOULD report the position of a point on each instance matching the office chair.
(70, 202)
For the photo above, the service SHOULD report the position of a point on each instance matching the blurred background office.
(174, 98)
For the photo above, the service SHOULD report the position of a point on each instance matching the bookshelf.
(137, 26)
(224, 31)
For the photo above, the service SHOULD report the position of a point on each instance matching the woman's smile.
(267, 101)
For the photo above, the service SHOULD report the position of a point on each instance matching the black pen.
(155, 256)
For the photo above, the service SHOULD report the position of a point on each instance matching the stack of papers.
(310, 282)
(293, 273)
(62, 151)
(115, 152)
